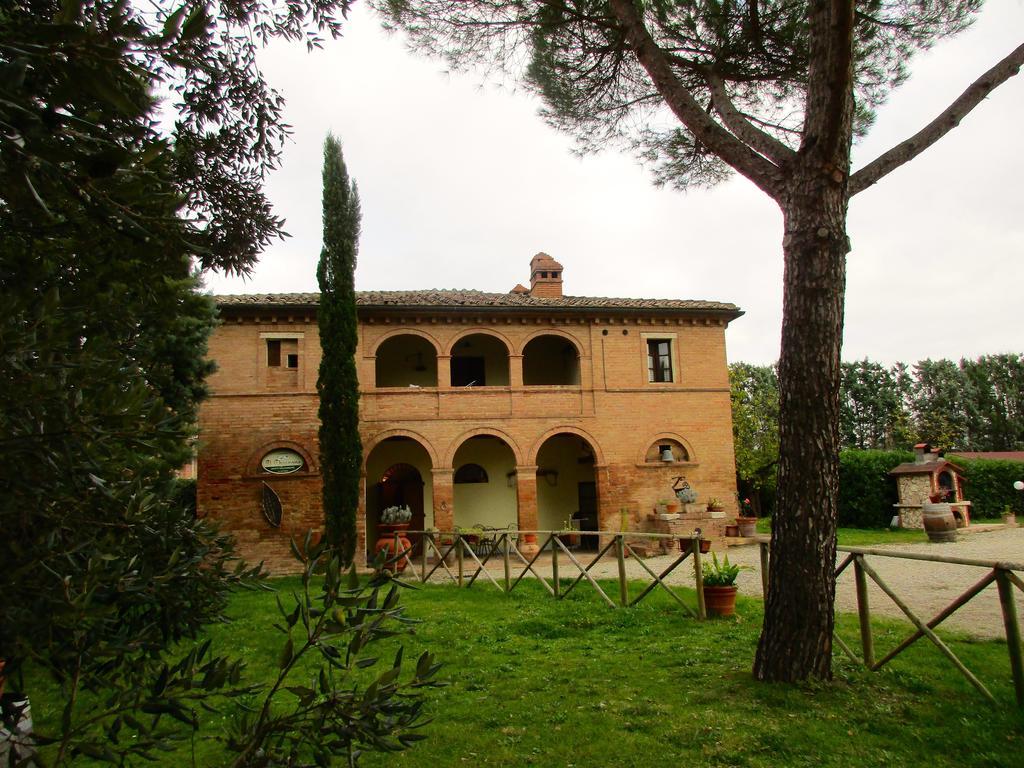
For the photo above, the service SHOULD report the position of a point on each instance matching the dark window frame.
(659, 361)
(273, 353)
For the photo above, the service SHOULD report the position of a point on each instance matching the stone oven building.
(520, 409)
(927, 474)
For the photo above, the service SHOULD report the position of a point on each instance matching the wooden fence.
(463, 558)
(1006, 576)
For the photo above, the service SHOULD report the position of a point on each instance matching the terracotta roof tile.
(429, 299)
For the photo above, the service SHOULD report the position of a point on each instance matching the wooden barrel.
(939, 522)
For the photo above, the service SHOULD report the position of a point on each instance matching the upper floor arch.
(406, 358)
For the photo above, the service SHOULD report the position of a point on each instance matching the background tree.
(994, 395)
(105, 203)
(754, 391)
(938, 403)
(775, 90)
(341, 451)
(872, 406)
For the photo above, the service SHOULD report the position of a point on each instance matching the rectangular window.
(274, 353)
(659, 360)
(293, 361)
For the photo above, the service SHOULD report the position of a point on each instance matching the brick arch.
(483, 332)
(406, 332)
(641, 456)
(252, 465)
(380, 437)
(494, 432)
(539, 443)
(552, 332)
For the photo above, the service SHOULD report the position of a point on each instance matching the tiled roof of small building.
(429, 299)
(927, 468)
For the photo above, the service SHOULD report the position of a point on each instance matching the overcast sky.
(461, 183)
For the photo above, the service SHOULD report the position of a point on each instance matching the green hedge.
(866, 491)
(989, 485)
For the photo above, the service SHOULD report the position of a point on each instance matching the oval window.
(283, 461)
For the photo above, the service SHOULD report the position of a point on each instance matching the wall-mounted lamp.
(550, 476)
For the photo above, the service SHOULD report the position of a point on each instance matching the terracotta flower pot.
(720, 601)
(392, 539)
(747, 525)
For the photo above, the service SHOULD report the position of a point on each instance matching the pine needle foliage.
(341, 450)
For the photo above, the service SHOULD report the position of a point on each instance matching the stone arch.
(380, 437)
(539, 442)
(454, 446)
(252, 465)
(406, 331)
(482, 332)
(674, 437)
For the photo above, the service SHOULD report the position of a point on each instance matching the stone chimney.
(923, 454)
(545, 277)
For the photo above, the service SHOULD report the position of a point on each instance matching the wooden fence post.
(698, 577)
(506, 562)
(459, 544)
(1009, 606)
(620, 554)
(864, 612)
(554, 566)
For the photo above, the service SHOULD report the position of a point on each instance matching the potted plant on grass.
(720, 585)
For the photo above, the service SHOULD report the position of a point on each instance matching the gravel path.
(925, 587)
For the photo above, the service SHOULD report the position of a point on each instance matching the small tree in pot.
(720, 585)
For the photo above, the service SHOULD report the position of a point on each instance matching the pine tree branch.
(946, 121)
(680, 100)
(749, 133)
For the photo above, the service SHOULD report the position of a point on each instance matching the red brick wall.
(614, 408)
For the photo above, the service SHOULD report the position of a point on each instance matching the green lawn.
(863, 537)
(534, 681)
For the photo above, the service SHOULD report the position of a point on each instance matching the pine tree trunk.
(796, 640)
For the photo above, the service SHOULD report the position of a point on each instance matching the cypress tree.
(341, 451)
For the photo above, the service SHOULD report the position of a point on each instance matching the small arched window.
(470, 473)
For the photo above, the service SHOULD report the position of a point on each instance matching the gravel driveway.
(925, 587)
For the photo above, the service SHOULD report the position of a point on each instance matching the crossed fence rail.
(438, 548)
(1006, 576)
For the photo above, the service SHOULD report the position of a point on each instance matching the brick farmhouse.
(525, 409)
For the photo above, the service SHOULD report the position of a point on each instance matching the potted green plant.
(720, 585)
(715, 507)
(684, 492)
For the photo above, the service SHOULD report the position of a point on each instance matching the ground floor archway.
(567, 493)
(398, 472)
(484, 487)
